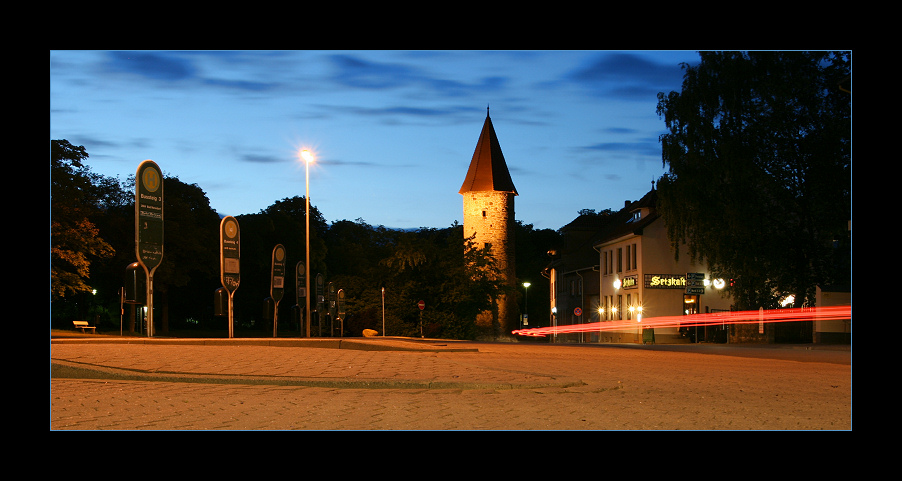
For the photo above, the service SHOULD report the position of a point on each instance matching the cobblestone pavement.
(107, 384)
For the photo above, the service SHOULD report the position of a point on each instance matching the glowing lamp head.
(307, 156)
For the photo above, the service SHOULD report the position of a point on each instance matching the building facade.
(641, 277)
(636, 275)
(488, 205)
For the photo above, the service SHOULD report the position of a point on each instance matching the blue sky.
(393, 131)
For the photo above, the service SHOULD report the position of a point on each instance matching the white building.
(641, 278)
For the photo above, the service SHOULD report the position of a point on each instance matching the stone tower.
(488, 195)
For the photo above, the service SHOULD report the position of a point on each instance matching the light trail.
(733, 317)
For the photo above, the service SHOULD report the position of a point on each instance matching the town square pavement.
(128, 384)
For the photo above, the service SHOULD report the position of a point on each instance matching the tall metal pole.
(149, 303)
(231, 314)
(307, 263)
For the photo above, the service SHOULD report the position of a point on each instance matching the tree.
(74, 240)
(456, 279)
(281, 223)
(190, 268)
(759, 183)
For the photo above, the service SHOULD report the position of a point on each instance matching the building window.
(635, 266)
(628, 257)
(576, 287)
(619, 259)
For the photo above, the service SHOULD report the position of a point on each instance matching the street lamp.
(308, 159)
(526, 299)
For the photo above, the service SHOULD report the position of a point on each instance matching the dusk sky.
(393, 132)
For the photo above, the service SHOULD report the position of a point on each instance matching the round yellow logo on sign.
(231, 228)
(151, 180)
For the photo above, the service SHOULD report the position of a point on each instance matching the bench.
(83, 325)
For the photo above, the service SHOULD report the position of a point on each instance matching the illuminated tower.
(488, 195)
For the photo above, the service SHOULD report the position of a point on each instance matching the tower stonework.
(488, 200)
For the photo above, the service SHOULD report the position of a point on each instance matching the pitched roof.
(488, 170)
(619, 229)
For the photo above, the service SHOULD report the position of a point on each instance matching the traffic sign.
(300, 281)
(319, 293)
(341, 303)
(229, 253)
(421, 305)
(695, 283)
(277, 278)
(578, 312)
(149, 226)
(149, 215)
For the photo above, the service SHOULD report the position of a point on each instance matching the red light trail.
(734, 317)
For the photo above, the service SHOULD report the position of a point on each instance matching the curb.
(362, 344)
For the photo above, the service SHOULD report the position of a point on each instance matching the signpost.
(300, 292)
(341, 311)
(319, 293)
(149, 226)
(277, 284)
(421, 305)
(330, 307)
(319, 303)
(695, 283)
(229, 261)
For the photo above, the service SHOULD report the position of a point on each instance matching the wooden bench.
(83, 325)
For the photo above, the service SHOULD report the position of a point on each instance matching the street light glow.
(307, 156)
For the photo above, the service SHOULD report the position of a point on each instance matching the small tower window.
(483, 213)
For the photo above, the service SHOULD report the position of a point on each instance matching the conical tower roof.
(488, 170)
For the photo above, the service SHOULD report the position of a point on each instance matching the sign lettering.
(665, 281)
(630, 282)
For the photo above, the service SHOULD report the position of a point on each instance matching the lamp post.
(308, 158)
(526, 301)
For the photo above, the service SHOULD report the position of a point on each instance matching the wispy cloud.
(626, 75)
(167, 66)
(641, 149)
(188, 68)
(356, 72)
(353, 71)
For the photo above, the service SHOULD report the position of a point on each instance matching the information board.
(149, 215)
(230, 253)
(277, 283)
